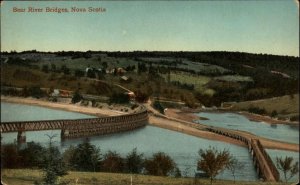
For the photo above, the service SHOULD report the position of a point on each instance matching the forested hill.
(285, 64)
(231, 60)
(272, 75)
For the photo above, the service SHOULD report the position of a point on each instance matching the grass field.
(23, 76)
(197, 80)
(94, 62)
(27, 177)
(285, 105)
(234, 78)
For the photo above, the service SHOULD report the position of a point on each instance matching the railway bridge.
(74, 128)
(265, 168)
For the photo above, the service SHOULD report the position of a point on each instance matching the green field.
(19, 76)
(93, 62)
(28, 176)
(285, 106)
(198, 81)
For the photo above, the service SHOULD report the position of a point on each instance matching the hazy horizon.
(140, 51)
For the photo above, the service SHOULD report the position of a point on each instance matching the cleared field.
(285, 105)
(197, 80)
(27, 177)
(22, 76)
(93, 62)
(186, 64)
(234, 78)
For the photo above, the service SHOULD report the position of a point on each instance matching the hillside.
(207, 78)
(285, 106)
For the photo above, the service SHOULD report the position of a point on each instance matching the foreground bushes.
(87, 157)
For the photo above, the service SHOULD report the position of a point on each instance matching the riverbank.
(189, 115)
(185, 126)
(105, 111)
(28, 176)
(266, 119)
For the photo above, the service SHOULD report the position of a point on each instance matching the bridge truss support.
(21, 137)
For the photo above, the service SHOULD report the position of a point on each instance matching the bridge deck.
(262, 160)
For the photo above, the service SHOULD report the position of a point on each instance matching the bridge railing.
(250, 143)
(59, 124)
(269, 161)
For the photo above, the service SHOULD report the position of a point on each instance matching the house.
(131, 95)
(124, 78)
(121, 71)
(55, 93)
(61, 93)
(87, 69)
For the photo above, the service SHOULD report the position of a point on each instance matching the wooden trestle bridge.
(265, 168)
(74, 128)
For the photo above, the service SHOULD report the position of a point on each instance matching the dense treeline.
(87, 157)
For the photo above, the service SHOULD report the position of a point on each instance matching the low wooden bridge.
(73, 128)
(265, 168)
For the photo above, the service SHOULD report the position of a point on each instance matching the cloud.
(124, 32)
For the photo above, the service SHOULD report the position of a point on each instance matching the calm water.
(148, 140)
(238, 122)
(281, 153)
(19, 112)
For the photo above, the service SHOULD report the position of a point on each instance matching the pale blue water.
(233, 121)
(148, 140)
(19, 112)
(281, 153)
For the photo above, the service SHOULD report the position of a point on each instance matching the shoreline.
(174, 124)
(61, 106)
(189, 115)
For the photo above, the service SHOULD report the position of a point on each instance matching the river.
(148, 140)
(234, 121)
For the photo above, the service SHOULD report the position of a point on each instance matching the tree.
(134, 162)
(177, 172)
(141, 96)
(36, 92)
(77, 97)
(234, 165)
(104, 65)
(45, 68)
(53, 67)
(9, 156)
(65, 69)
(86, 157)
(286, 166)
(212, 161)
(112, 162)
(161, 164)
(53, 165)
(79, 73)
(274, 113)
(91, 73)
(120, 98)
(32, 155)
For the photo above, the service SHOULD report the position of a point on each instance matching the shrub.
(112, 162)
(161, 164)
(212, 161)
(77, 97)
(257, 110)
(134, 162)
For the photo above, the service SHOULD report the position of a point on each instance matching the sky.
(270, 27)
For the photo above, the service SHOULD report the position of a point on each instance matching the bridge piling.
(21, 137)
